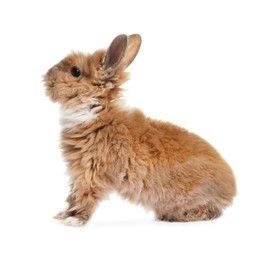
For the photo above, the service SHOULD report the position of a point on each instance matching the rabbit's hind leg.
(205, 212)
(187, 214)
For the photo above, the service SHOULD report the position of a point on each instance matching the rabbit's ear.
(116, 52)
(122, 51)
(134, 43)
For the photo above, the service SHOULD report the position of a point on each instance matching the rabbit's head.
(79, 77)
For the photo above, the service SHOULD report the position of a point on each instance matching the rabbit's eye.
(75, 72)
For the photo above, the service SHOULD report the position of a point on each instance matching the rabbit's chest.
(79, 114)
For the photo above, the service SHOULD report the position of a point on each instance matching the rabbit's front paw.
(73, 221)
(62, 215)
(68, 219)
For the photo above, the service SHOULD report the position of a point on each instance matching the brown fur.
(162, 166)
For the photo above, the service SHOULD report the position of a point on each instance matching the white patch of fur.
(79, 114)
(72, 221)
(122, 104)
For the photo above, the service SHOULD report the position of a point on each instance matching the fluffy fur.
(79, 114)
(160, 165)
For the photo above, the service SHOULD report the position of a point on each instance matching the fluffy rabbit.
(109, 147)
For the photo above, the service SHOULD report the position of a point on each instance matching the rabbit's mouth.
(52, 84)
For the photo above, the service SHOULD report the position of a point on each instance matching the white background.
(210, 66)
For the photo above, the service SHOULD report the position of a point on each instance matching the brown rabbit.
(109, 147)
